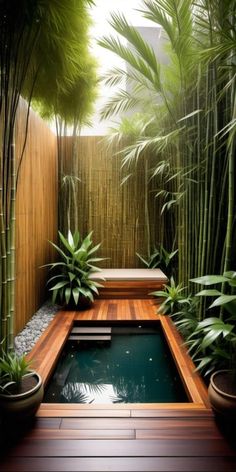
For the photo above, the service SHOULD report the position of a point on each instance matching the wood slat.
(36, 218)
(189, 410)
(131, 423)
(84, 337)
(89, 330)
(76, 412)
(81, 434)
(195, 387)
(46, 351)
(126, 464)
(178, 433)
(120, 448)
(47, 423)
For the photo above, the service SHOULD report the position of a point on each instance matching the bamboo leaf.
(223, 300)
(190, 115)
(209, 279)
(211, 337)
(208, 293)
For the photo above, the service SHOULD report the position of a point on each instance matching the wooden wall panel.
(116, 213)
(36, 213)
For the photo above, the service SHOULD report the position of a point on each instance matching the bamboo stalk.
(231, 175)
(12, 251)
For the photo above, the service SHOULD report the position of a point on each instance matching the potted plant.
(214, 343)
(72, 283)
(21, 389)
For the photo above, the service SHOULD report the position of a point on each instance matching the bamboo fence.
(36, 213)
(116, 213)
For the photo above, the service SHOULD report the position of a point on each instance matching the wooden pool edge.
(47, 350)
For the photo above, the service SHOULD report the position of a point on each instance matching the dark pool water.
(135, 367)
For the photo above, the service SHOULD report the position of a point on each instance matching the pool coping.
(47, 350)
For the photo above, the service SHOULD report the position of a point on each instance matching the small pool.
(129, 364)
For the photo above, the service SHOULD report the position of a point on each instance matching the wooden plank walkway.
(133, 440)
(98, 438)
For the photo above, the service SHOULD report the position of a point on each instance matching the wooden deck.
(157, 437)
(131, 440)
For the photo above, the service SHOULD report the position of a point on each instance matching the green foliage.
(186, 318)
(65, 86)
(46, 59)
(213, 341)
(159, 258)
(12, 369)
(225, 300)
(173, 297)
(213, 344)
(188, 125)
(73, 273)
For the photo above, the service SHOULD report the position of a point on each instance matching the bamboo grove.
(187, 110)
(43, 55)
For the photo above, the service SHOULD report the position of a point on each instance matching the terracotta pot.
(23, 405)
(223, 403)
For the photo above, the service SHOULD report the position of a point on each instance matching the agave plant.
(73, 279)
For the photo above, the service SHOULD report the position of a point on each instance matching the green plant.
(159, 258)
(173, 297)
(75, 269)
(12, 369)
(32, 33)
(213, 341)
(188, 124)
(186, 318)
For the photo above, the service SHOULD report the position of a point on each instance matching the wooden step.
(77, 337)
(89, 330)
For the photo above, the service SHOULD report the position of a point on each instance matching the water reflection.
(130, 369)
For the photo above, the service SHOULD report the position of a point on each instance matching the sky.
(100, 14)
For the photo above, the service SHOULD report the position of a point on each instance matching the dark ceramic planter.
(84, 304)
(21, 406)
(222, 394)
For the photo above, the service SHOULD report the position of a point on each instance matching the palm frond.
(136, 62)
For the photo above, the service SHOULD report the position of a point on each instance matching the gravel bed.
(27, 338)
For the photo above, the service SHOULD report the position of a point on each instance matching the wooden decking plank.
(132, 423)
(81, 434)
(184, 363)
(77, 413)
(112, 311)
(121, 448)
(178, 412)
(146, 407)
(93, 337)
(193, 432)
(47, 423)
(46, 351)
(91, 330)
(126, 464)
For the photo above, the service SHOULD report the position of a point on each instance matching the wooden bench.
(129, 283)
